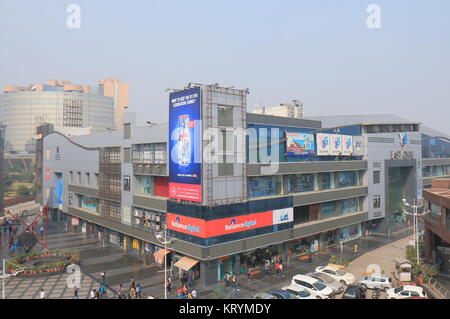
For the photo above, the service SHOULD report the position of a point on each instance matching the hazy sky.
(320, 52)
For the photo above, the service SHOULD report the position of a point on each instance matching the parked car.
(355, 292)
(405, 291)
(337, 273)
(264, 295)
(299, 292)
(315, 287)
(337, 287)
(380, 281)
(283, 294)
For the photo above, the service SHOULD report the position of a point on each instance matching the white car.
(315, 287)
(405, 291)
(338, 274)
(299, 292)
(376, 281)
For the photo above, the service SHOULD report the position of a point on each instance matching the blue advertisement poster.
(185, 145)
(300, 144)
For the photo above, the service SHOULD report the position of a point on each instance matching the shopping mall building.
(234, 188)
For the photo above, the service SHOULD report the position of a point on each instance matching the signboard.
(358, 147)
(300, 144)
(323, 144)
(336, 144)
(185, 145)
(347, 145)
(284, 215)
(219, 227)
(75, 221)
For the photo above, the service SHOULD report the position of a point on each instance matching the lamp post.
(415, 206)
(163, 239)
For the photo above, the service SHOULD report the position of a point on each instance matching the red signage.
(191, 192)
(206, 229)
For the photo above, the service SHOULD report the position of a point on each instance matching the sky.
(318, 51)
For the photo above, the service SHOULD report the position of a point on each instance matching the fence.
(439, 287)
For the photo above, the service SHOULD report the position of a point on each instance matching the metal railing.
(439, 287)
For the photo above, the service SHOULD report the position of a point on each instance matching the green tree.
(22, 190)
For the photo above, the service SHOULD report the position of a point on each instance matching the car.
(338, 273)
(315, 287)
(354, 292)
(283, 294)
(299, 292)
(405, 291)
(379, 281)
(264, 295)
(337, 287)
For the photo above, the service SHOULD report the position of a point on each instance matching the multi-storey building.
(232, 188)
(437, 224)
(2, 166)
(60, 103)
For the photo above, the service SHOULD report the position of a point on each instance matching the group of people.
(231, 280)
(278, 265)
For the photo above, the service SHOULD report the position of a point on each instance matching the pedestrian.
(277, 269)
(235, 282)
(42, 294)
(102, 291)
(97, 294)
(280, 267)
(185, 290)
(227, 280)
(41, 230)
(179, 293)
(168, 284)
(250, 276)
(355, 249)
(267, 267)
(289, 255)
(120, 294)
(92, 295)
(75, 293)
(310, 256)
(138, 291)
(342, 246)
(194, 294)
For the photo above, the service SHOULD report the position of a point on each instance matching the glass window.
(324, 180)
(225, 115)
(327, 210)
(345, 179)
(377, 201)
(301, 183)
(264, 186)
(349, 205)
(376, 177)
(143, 185)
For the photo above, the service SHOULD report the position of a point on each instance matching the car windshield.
(319, 286)
(397, 290)
(341, 272)
(325, 278)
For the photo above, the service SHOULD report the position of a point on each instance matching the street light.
(416, 206)
(163, 239)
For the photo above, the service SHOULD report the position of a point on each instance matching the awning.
(159, 255)
(186, 263)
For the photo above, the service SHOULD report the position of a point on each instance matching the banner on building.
(185, 145)
(300, 144)
(284, 215)
(323, 144)
(358, 146)
(347, 145)
(336, 144)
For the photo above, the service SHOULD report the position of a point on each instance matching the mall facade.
(233, 188)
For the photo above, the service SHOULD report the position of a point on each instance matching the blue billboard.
(185, 145)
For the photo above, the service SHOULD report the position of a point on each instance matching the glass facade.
(324, 180)
(436, 170)
(346, 179)
(300, 183)
(149, 153)
(264, 186)
(144, 185)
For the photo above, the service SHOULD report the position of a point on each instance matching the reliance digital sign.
(300, 144)
(219, 227)
(185, 181)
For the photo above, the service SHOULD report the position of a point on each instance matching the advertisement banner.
(284, 215)
(323, 144)
(347, 145)
(219, 227)
(336, 144)
(300, 144)
(185, 145)
(358, 147)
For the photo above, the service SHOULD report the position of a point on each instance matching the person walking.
(42, 294)
(227, 280)
(280, 268)
(168, 283)
(102, 291)
(267, 267)
(120, 294)
(41, 230)
(355, 249)
(310, 256)
(277, 269)
(235, 282)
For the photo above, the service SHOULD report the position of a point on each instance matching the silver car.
(337, 287)
(376, 281)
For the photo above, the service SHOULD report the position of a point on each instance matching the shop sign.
(75, 221)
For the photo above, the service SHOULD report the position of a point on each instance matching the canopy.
(186, 263)
(159, 255)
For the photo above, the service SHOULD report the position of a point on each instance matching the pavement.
(120, 268)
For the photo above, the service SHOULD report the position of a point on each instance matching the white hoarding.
(358, 146)
(336, 144)
(323, 144)
(284, 215)
(347, 145)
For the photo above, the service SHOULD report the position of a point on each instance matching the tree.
(22, 190)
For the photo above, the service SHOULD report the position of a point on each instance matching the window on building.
(376, 177)
(301, 183)
(71, 177)
(96, 180)
(327, 210)
(377, 201)
(79, 178)
(88, 179)
(126, 130)
(324, 180)
(264, 186)
(126, 155)
(143, 184)
(345, 179)
(225, 116)
(126, 183)
(349, 206)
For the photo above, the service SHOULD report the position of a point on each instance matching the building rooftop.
(362, 119)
